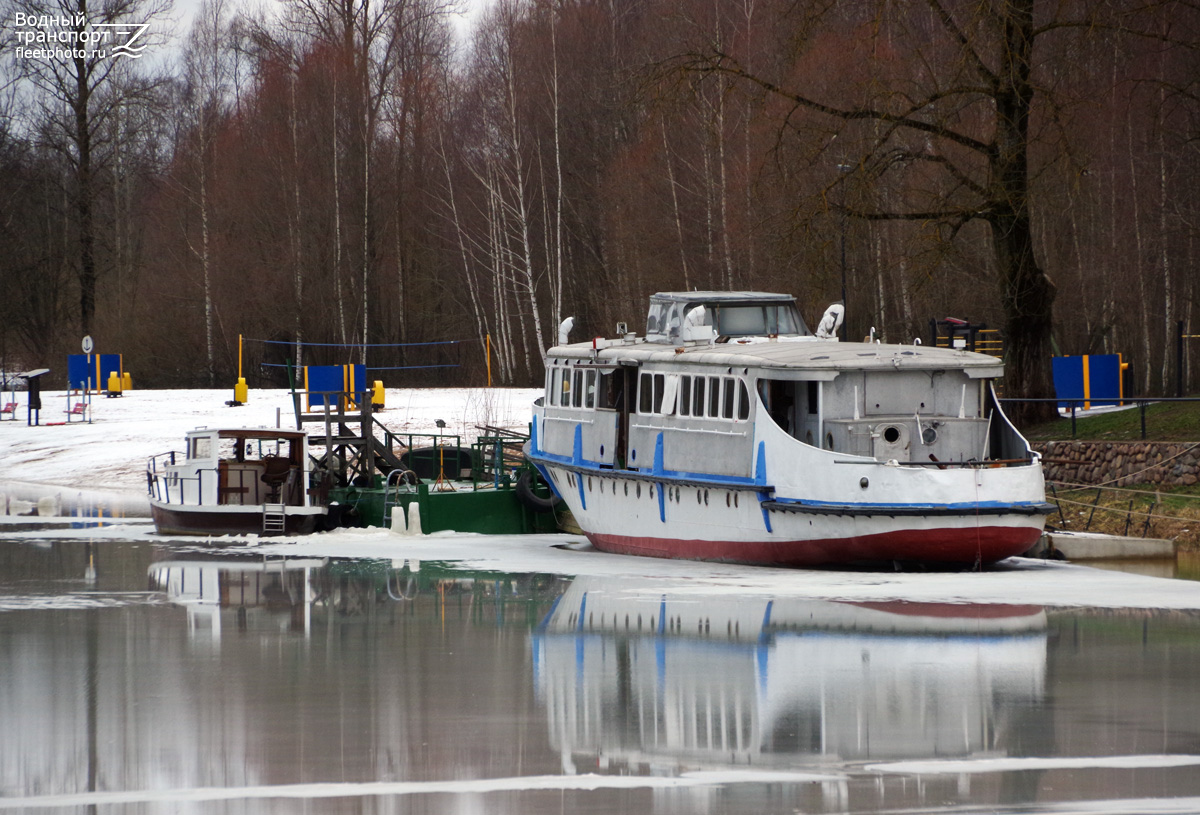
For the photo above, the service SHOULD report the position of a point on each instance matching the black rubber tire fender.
(529, 498)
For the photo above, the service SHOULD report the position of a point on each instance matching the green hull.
(489, 511)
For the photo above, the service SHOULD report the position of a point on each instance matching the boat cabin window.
(759, 320)
(701, 397)
(201, 447)
(579, 387)
(650, 394)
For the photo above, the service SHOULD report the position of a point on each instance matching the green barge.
(368, 475)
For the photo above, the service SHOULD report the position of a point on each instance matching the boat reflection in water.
(662, 678)
(272, 586)
(298, 595)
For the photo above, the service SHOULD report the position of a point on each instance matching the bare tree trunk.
(366, 237)
(295, 227)
(1138, 255)
(723, 183)
(337, 224)
(481, 316)
(499, 297)
(1109, 312)
(522, 215)
(1026, 292)
(83, 196)
(558, 183)
(1164, 255)
(204, 254)
(683, 264)
(905, 296)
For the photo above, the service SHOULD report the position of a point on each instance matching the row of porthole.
(573, 621)
(674, 624)
(672, 494)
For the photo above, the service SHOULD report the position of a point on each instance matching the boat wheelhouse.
(730, 432)
(236, 481)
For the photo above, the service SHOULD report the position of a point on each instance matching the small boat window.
(553, 385)
(714, 397)
(589, 393)
(565, 393)
(201, 448)
(743, 411)
(605, 394)
(645, 394)
(727, 405)
(658, 393)
(685, 396)
(670, 394)
(577, 388)
(698, 397)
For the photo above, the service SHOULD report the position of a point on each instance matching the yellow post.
(241, 393)
(489, 359)
(1087, 385)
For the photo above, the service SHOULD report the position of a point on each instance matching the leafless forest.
(351, 175)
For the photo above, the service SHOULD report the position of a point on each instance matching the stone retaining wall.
(1121, 463)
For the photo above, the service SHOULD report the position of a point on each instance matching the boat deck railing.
(232, 485)
(987, 463)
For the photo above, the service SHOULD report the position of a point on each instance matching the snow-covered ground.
(107, 457)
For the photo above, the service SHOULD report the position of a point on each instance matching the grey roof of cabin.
(723, 296)
(815, 355)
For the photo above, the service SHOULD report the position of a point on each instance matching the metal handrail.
(159, 484)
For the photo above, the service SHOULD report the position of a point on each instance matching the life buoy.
(529, 498)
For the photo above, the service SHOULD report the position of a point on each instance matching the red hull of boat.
(947, 547)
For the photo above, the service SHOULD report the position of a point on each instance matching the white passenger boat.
(730, 432)
(236, 481)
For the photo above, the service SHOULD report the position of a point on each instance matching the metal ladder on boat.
(274, 521)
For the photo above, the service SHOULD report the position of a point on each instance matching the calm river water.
(136, 677)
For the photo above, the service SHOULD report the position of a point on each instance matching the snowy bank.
(104, 460)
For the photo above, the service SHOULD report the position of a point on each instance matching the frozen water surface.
(362, 672)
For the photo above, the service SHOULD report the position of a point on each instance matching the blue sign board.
(1094, 378)
(90, 371)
